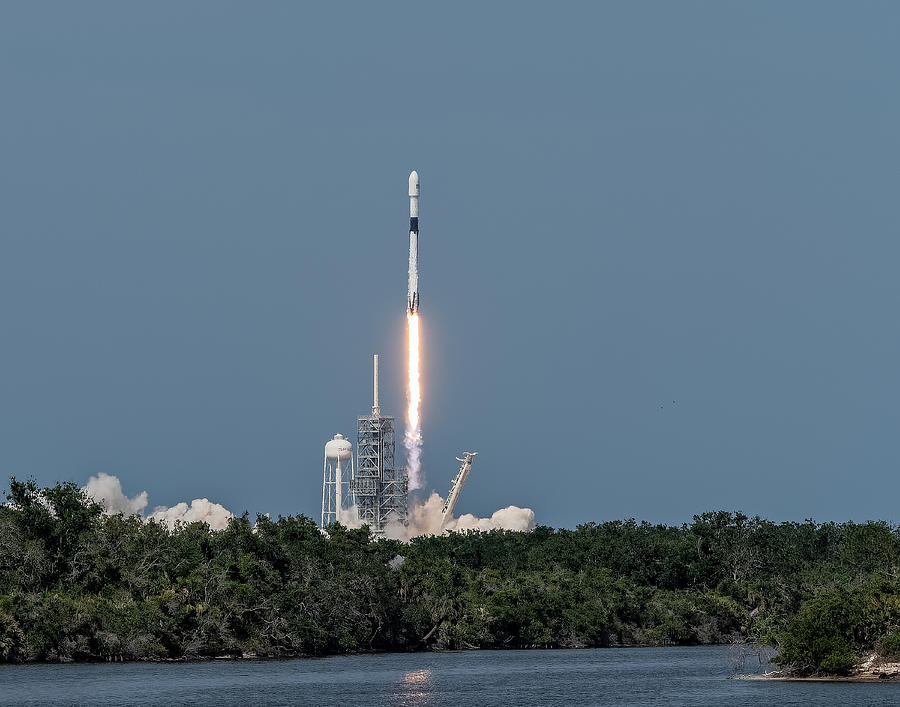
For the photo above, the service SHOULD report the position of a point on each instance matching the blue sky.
(658, 246)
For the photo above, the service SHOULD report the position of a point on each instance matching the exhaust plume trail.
(412, 438)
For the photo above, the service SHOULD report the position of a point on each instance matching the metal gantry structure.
(379, 488)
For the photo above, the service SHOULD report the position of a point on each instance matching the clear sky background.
(659, 249)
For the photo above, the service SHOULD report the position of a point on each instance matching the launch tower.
(379, 487)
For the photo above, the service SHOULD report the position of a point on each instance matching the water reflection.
(416, 688)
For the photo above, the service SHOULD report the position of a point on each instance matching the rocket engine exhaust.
(412, 438)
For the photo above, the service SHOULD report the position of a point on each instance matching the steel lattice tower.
(379, 487)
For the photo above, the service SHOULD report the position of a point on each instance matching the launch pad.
(377, 488)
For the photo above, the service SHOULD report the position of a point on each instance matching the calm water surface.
(627, 676)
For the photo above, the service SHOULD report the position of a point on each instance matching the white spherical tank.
(338, 448)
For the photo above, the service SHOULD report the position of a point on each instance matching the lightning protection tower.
(334, 483)
(379, 487)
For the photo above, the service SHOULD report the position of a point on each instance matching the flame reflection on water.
(417, 676)
(416, 688)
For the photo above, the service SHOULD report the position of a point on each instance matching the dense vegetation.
(76, 584)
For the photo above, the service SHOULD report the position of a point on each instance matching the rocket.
(412, 295)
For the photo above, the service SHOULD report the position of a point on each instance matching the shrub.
(816, 639)
(889, 645)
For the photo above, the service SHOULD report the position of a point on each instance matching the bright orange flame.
(415, 393)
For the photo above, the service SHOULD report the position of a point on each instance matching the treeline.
(76, 584)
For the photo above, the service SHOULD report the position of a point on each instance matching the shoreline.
(830, 678)
(871, 669)
(252, 658)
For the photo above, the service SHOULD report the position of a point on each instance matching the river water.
(612, 676)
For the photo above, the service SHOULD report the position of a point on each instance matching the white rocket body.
(412, 295)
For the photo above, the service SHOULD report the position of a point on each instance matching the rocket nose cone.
(413, 183)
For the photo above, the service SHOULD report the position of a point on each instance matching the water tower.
(334, 483)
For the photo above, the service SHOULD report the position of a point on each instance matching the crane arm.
(456, 487)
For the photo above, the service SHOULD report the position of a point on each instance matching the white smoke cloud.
(349, 517)
(509, 518)
(106, 490)
(425, 519)
(201, 509)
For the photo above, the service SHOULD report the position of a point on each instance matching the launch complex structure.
(379, 490)
(376, 493)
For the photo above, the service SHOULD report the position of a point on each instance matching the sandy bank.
(873, 668)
